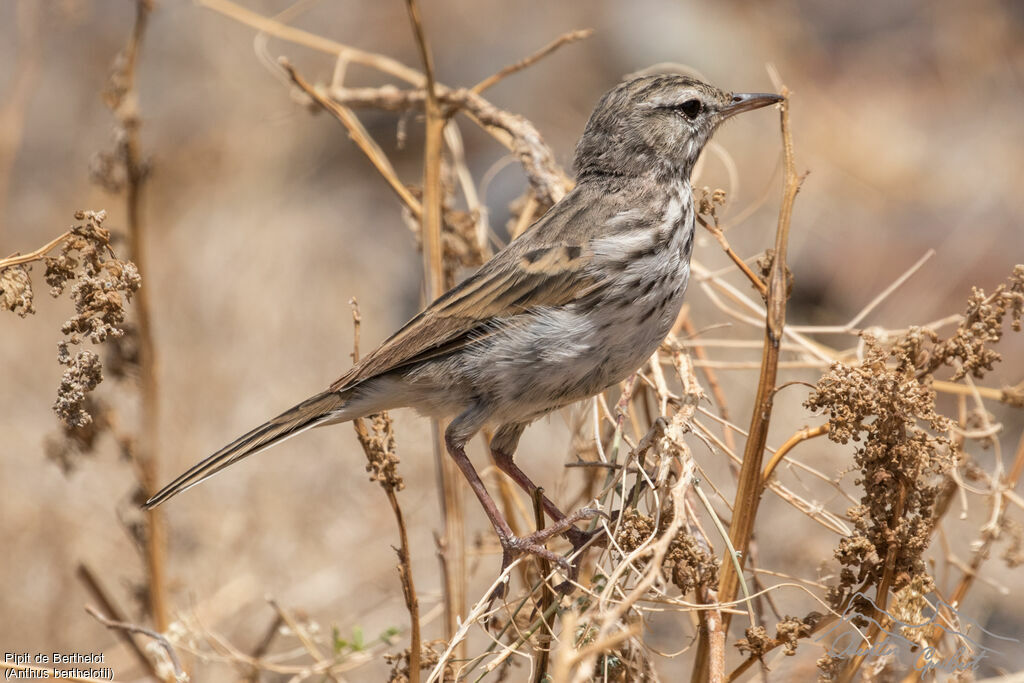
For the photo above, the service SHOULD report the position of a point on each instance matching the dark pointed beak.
(747, 101)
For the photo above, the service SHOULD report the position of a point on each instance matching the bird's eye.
(690, 108)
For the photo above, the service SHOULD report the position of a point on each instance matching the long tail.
(295, 420)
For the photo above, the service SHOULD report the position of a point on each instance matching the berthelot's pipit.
(579, 301)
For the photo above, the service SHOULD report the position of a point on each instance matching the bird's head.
(657, 124)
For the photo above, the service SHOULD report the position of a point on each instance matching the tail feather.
(306, 415)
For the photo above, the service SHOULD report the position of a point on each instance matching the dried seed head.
(16, 290)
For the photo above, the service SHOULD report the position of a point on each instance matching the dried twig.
(92, 584)
(547, 179)
(359, 136)
(382, 462)
(564, 39)
(35, 255)
(719, 235)
(431, 224)
(179, 672)
(122, 98)
(749, 489)
(790, 444)
(547, 597)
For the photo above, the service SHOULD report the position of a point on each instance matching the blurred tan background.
(265, 221)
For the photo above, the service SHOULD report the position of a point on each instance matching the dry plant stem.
(733, 553)
(773, 644)
(432, 191)
(821, 625)
(299, 632)
(360, 137)
(404, 558)
(19, 259)
(802, 435)
(149, 633)
(263, 647)
(875, 634)
(514, 132)
(405, 574)
(758, 283)
(517, 134)
(564, 39)
(958, 389)
(547, 594)
(524, 635)
(92, 584)
(145, 455)
(612, 614)
(982, 549)
(716, 387)
(749, 488)
(453, 542)
(713, 630)
(472, 617)
(311, 40)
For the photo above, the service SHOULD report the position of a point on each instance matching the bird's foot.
(533, 544)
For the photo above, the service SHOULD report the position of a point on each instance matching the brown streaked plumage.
(576, 303)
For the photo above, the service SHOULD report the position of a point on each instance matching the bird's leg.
(577, 537)
(511, 545)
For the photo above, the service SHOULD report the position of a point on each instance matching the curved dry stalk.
(17, 259)
(360, 136)
(92, 584)
(162, 641)
(719, 235)
(564, 39)
(749, 489)
(790, 443)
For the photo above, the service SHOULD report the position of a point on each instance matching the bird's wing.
(548, 267)
(546, 276)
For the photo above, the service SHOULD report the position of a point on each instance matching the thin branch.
(1007, 396)
(514, 132)
(122, 98)
(359, 136)
(92, 584)
(981, 550)
(431, 225)
(295, 35)
(719, 235)
(18, 259)
(564, 39)
(802, 435)
(547, 593)
(391, 484)
(179, 672)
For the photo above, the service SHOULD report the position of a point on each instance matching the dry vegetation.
(911, 410)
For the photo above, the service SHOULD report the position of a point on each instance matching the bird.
(575, 304)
